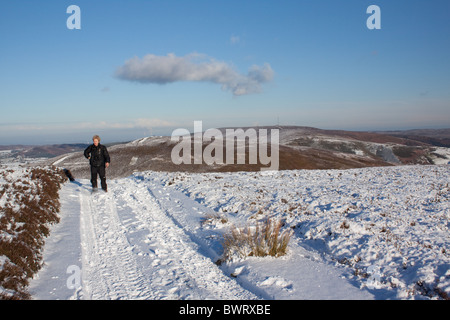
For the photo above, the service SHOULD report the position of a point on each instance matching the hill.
(299, 148)
(435, 137)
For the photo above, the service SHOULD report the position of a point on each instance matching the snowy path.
(142, 240)
(132, 249)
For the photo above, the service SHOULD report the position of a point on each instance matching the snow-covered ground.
(377, 233)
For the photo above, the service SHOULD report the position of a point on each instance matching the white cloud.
(194, 67)
(235, 39)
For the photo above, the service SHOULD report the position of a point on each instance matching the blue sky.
(142, 67)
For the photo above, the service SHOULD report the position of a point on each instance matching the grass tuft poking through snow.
(261, 240)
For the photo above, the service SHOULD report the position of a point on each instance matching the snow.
(373, 233)
(441, 155)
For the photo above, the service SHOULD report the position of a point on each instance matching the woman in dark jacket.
(99, 160)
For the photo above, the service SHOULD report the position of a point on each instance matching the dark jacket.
(97, 156)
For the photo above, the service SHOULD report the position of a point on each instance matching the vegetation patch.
(29, 203)
(263, 239)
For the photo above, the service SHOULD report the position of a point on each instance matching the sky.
(144, 67)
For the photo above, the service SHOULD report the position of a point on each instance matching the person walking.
(99, 160)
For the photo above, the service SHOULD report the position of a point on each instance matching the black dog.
(69, 175)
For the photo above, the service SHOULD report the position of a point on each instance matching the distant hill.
(41, 151)
(435, 137)
(44, 151)
(300, 148)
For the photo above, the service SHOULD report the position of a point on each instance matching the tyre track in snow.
(109, 269)
(134, 249)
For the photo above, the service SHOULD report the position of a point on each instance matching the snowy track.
(142, 240)
(377, 233)
(132, 249)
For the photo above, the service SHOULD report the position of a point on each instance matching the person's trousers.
(101, 172)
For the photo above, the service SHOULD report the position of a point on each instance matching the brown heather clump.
(31, 204)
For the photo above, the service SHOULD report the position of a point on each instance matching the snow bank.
(388, 226)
